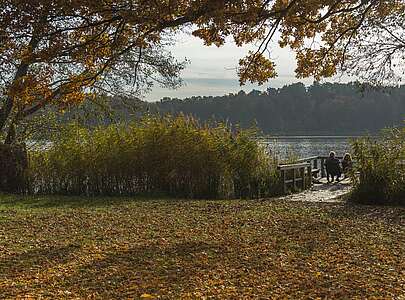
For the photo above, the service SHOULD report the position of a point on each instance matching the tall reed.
(176, 156)
(381, 164)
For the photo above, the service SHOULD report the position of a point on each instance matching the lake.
(305, 146)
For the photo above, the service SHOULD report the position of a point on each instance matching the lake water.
(306, 146)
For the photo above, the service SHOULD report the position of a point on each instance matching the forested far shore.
(320, 109)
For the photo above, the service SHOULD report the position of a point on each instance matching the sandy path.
(323, 192)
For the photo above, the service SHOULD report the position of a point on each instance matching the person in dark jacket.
(347, 164)
(332, 167)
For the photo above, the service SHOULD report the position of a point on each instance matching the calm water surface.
(305, 146)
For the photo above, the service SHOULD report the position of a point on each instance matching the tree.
(59, 52)
(55, 52)
(327, 108)
(364, 38)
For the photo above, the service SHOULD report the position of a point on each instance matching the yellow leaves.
(25, 54)
(247, 35)
(210, 36)
(318, 63)
(76, 90)
(94, 48)
(87, 34)
(28, 90)
(256, 68)
(264, 250)
(73, 98)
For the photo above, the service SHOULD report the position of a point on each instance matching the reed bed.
(381, 164)
(177, 156)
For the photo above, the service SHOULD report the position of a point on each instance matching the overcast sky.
(212, 69)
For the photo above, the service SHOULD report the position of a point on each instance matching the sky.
(212, 72)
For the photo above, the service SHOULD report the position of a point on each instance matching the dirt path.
(323, 192)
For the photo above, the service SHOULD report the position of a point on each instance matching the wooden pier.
(298, 176)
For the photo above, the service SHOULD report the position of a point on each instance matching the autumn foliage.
(56, 53)
(80, 248)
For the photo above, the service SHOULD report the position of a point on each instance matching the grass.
(106, 248)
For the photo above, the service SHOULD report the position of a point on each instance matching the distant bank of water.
(305, 146)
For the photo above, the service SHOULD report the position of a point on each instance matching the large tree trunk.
(11, 135)
(5, 112)
(22, 70)
(7, 108)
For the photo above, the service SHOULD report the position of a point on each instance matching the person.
(347, 164)
(332, 167)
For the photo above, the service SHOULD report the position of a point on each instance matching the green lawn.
(59, 247)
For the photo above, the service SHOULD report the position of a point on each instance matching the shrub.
(13, 168)
(176, 156)
(382, 168)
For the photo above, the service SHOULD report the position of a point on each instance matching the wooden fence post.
(303, 178)
(309, 170)
(294, 186)
(323, 174)
(284, 183)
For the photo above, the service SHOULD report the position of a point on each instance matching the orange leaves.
(74, 91)
(111, 248)
(29, 89)
(103, 38)
(256, 68)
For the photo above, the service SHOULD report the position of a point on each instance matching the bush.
(13, 168)
(382, 169)
(176, 156)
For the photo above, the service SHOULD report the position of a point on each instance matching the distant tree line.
(324, 109)
(328, 108)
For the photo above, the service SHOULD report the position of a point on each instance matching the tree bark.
(22, 71)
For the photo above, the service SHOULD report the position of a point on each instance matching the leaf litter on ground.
(103, 248)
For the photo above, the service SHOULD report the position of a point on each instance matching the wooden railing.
(299, 175)
(301, 178)
(317, 165)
